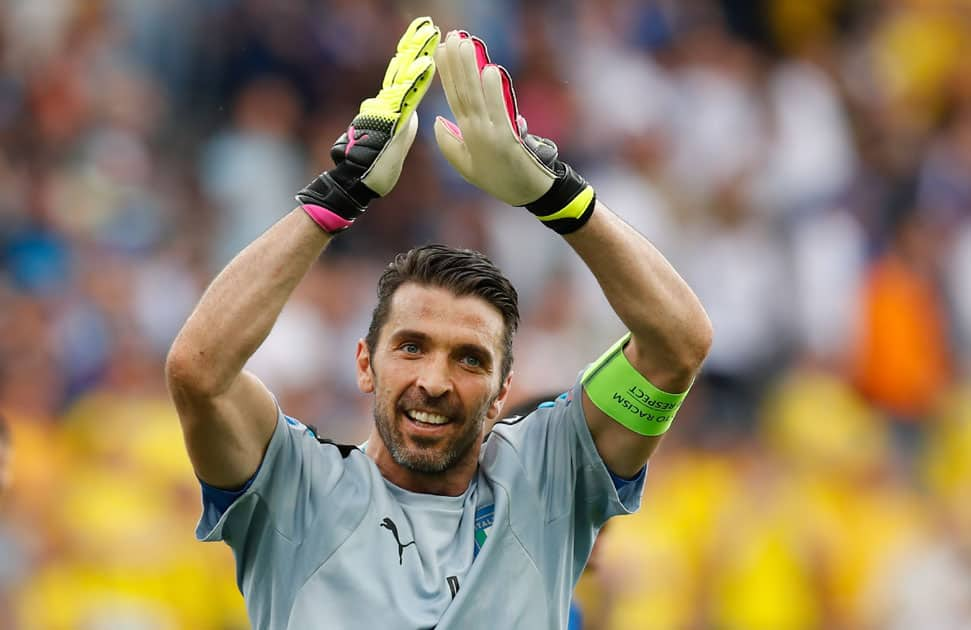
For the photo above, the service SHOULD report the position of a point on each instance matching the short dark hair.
(461, 271)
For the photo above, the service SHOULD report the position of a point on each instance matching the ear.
(365, 375)
(496, 408)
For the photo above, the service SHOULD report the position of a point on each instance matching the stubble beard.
(430, 458)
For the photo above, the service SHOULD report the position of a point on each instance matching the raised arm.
(228, 416)
(628, 405)
(670, 331)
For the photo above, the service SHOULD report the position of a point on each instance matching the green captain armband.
(619, 390)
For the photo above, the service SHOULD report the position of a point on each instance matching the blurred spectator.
(252, 169)
(930, 587)
(739, 269)
(902, 360)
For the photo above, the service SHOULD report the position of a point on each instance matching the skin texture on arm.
(227, 414)
(671, 333)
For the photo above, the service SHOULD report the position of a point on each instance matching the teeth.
(429, 418)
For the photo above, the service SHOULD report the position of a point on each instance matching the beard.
(424, 454)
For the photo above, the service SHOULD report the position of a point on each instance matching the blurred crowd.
(805, 165)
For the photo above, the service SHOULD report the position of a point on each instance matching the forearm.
(239, 308)
(670, 330)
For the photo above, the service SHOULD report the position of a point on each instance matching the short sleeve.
(299, 485)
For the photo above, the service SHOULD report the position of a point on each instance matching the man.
(432, 523)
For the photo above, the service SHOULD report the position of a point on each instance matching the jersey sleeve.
(558, 456)
(300, 485)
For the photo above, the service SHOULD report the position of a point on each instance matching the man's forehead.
(418, 307)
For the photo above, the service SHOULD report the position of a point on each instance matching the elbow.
(180, 374)
(186, 372)
(698, 342)
(694, 346)
(703, 338)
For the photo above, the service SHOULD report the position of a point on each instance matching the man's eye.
(472, 361)
(410, 348)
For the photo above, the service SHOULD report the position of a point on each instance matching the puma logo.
(351, 140)
(389, 525)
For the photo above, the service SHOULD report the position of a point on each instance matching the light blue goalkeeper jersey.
(322, 540)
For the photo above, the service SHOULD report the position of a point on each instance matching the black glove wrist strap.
(339, 191)
(567, 186)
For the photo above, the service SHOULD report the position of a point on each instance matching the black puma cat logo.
(388, 524)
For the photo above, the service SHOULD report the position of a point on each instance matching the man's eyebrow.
(417, 335)
(407, 333)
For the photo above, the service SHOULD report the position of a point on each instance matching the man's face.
(435, 376)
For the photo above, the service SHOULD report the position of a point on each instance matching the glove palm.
(491, 147)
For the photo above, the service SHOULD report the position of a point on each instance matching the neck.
(451, 482)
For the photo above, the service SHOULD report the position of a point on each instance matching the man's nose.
(435, 379)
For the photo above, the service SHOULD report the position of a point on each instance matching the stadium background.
(805, 165)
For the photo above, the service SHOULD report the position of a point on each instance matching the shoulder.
(533, 415)
(299, 455)
(345, 450)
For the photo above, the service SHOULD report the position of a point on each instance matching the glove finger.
(481, 52)
(450, 143)
(500, 99)
(384, 172)
(416, 33)
(425, 41)
(415, 82)
(445, 76)
(420, 39)
(395, 103)
(391, 72)
(468, 80)
(452, 76)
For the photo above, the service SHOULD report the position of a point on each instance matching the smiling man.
(437, 358)
(438, 521)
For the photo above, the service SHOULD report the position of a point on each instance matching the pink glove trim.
(330, 222)
(510, 97)
(481, 53)
(452, 127)
(483, 61)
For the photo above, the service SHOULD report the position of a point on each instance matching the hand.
(490, 146)
(369, 155)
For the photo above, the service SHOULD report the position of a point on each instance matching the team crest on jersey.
(485, 516)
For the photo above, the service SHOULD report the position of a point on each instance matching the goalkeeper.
(436, 521)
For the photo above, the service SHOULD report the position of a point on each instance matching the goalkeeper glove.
(368, 157)
(491, 148)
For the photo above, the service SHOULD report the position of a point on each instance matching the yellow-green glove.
(369, 155)
(490, 146)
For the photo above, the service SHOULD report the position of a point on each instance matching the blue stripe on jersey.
(620, 482)
(220, 499)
